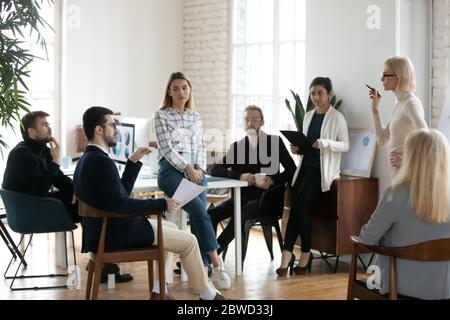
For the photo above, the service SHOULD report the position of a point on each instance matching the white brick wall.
(206, 33)
(440, 57)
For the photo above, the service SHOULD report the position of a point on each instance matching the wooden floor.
(259, 280)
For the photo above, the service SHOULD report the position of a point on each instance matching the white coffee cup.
(259, 178)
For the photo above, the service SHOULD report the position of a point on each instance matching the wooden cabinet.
(338, 214)
(342, 212)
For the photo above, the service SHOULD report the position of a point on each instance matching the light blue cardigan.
(394, 224)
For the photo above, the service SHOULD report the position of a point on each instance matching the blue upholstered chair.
(27, 214)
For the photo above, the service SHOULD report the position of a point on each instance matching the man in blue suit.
(97, 183)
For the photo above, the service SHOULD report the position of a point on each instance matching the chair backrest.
(271, 203)
(428, 251)
(432, 250)
(87, 211)
(31, 214)
(127, 255)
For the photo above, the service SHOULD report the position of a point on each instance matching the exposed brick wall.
(440, 57)
(206, 34)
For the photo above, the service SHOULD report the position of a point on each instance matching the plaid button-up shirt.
(180, 134)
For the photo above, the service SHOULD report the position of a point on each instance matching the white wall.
(120, 56)
(340, 46)
(414, 42)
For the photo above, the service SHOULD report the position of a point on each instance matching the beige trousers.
(186, 246)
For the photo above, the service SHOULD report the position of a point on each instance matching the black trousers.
(66, 197)
(306, 191)
(226, 210)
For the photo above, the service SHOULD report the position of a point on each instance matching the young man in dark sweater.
(33, 167)
(257, 153)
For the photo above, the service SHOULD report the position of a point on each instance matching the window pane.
(266, 20)
(253, 59)
(43, 104)
(239, 70)
(48, 13)
(286, 75)
(300, 19)
(286, 20)
(253, 21)
(286, 119)
(266, 67)
(42, 77)
(240, 102)
(300, 65)
(267, 106)
(239, 20)
(253, 72)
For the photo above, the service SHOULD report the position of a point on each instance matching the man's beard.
(111, 142)
(44, 140)
(252, 136)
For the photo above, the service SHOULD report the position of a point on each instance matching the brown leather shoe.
(156, 296)
(218, 297)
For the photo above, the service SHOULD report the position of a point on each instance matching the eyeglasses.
(113, 125)
(387, 75)
(252, 120)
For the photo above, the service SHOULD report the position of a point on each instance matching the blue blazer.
(97, 183)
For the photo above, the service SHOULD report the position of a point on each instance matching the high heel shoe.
(282, 272)
(300, 271)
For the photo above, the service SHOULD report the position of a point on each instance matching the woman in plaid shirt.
(182, 154)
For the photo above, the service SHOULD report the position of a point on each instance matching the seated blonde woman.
(413, 210)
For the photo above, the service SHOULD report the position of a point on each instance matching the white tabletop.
(151, 184)
(147, 182)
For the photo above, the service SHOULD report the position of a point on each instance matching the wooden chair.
(433, 250)
(97, 260)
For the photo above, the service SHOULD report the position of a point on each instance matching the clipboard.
(300, 140)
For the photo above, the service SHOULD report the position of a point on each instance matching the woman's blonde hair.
(425, 169)
(168, 102)
(403, 68)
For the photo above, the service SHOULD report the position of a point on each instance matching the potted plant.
(299, 112)
(16, 18)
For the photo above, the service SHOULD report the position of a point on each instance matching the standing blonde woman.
(415, 209)
(408, 115)
(183, 155)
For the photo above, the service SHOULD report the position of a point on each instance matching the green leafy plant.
(17, 17)
(298, 112)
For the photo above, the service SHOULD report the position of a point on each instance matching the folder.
(298, 139)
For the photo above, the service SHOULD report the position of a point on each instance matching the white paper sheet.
(187, 191)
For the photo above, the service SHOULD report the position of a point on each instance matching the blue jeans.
(168, 180)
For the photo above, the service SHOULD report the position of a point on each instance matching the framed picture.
(358, 160)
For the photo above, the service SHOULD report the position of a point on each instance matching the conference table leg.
(237, 230)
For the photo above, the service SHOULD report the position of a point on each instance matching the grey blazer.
(394, 224)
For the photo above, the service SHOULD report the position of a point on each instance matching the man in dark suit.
(97, 182)
(257, 153)
(33, 168)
